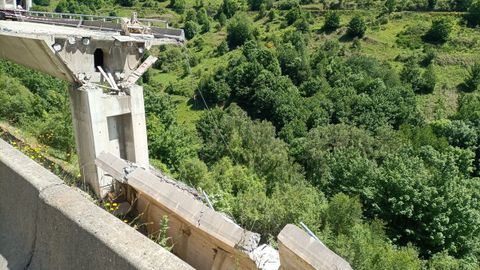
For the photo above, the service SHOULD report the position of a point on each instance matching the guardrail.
(87, 17)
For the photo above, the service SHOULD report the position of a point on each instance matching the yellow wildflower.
(125, 220)
(114, 204)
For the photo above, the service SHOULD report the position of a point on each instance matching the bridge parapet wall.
(45, 224)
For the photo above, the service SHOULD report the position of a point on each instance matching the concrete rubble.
(266, 257)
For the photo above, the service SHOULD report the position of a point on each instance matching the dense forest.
(359, 118)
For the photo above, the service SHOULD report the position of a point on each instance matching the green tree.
(473, 15)
(44, 3)
(18, 102)
(343, 213)
(432, 4)
(222, 48)
(255, 4)
(293, 63)
(390, 5)
(55, 129)
(229, 8)
(293, 15)
(214, 90)
(240, 30)
(357, 27)
(332, 21)
(178, 5)
(126, 3)
(472, 82)
(439, 31)
(222, 19)
(429, 80)
(190, 29)
(203, 19)
(421, 82)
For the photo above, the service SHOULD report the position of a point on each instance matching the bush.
(439, 32)
(357, 27)
(332, 21)
(411, 37)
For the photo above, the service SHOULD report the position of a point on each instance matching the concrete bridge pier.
(113, 123)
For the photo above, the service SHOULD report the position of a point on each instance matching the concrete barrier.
(45, 224)
(298, 250)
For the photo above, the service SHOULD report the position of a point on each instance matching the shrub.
(357, 27)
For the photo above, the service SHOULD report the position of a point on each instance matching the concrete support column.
(110, 123)
(137, 143)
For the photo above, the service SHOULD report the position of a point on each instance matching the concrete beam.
(35, 53)
(201, 236)
(298, 250)
(45, 224)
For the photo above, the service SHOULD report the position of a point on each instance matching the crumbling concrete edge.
(68, 230)
(298, 250)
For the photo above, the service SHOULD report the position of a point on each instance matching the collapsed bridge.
(102, 60)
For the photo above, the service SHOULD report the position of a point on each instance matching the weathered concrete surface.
(46, 225)
(298, 250)
(30, 44)
(110, 123)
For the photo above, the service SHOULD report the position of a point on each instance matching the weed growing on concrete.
(161, 236)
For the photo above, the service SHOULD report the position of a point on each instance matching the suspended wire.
(209, 111)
